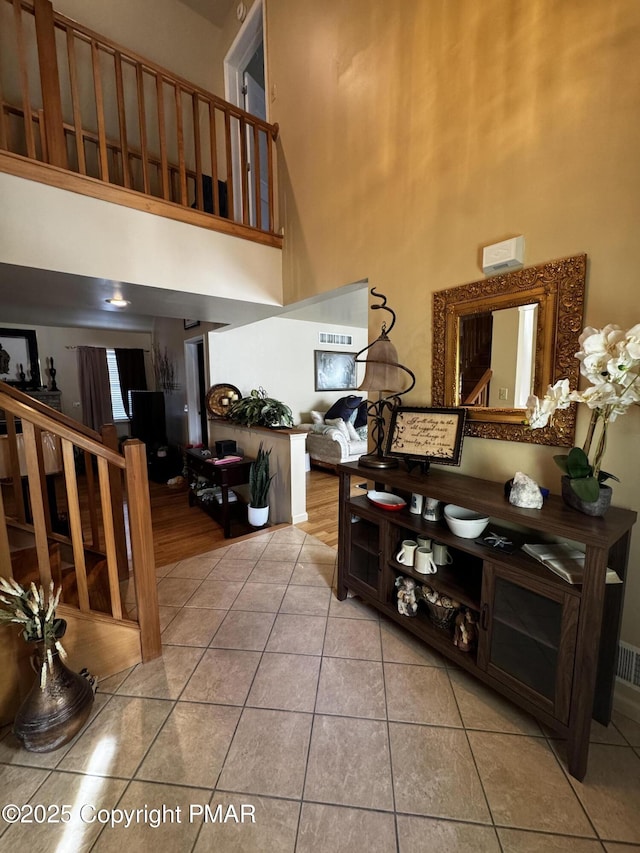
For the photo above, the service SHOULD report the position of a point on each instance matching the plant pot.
(49, 718)
(596, 508)
(258, 515)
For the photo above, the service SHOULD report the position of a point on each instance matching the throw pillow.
(343, 407)
(363, 432)
(361, 415)
(317, 417)
(339, 424)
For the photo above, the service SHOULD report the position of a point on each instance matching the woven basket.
(442, 617)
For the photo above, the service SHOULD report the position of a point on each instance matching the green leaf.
(578, 464)
(605, 475)
(586, 488)
(561, 462)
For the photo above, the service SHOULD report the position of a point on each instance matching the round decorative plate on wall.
(220, 397)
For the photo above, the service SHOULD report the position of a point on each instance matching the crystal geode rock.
(525, 492)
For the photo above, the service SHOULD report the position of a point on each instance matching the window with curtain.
(117, 403)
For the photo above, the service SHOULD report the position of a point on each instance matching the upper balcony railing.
(75, 100)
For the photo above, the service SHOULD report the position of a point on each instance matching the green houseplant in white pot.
(259, 484)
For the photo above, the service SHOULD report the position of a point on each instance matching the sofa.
(339, 434)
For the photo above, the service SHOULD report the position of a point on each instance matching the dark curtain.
(95, 391)
(132, 374)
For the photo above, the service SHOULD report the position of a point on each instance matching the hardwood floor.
(181, 531)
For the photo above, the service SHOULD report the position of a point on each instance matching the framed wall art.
(19, 363)
(335, 371)
(426, 434)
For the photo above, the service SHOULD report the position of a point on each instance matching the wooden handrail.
(479, 388)
(193, 141)
(26, 462)
(64, 420)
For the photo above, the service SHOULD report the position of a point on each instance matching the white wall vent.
(628, 668)
(340, 340)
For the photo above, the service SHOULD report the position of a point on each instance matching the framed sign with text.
(425, 434)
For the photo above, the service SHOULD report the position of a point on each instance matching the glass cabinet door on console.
(528, 637)
(364, 569)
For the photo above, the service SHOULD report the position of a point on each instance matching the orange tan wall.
(414, 134)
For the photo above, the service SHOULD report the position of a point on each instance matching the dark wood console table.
(223, 476)
(547, 645)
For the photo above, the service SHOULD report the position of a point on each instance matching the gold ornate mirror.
(497, 340)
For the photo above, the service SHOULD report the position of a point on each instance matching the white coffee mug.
(406, 553)
(425, 564)
(441, 554)
(432, 509)
(416, 503)
(423, 542)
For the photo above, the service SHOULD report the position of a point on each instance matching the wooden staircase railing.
(105, 551)
(107, 113)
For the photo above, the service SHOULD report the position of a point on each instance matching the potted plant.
(260, 410)
(610, 360)
(259, 484)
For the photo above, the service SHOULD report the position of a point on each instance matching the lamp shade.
(382, 372)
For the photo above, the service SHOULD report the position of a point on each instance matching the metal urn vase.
(51, 715)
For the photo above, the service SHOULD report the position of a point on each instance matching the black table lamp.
(386, 376)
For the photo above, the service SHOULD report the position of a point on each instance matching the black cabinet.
(210, 485)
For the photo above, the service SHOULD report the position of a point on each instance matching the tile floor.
(335, 728)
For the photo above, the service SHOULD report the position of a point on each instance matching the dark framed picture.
(335, 371)
(426, 434)
(19, 363)
(191, 324)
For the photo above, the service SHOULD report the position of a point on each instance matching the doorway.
(196, 388)
(245, 86)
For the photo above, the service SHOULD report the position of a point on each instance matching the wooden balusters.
(75, 101)
(24, 80)
(36, 499)
(213, 145)
(162, 137)
(167, 162)
(122, 121)
(141, 532)
(75, 524)
(142, 122)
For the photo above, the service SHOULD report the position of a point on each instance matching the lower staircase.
(104, 564)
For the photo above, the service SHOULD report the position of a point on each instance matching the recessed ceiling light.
(118, 302)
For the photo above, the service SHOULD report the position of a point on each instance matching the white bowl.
(465, 522)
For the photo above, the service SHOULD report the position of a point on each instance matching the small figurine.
(407, 601)
(465, 634)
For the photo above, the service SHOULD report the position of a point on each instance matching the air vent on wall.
(341, 340)
(628, 668)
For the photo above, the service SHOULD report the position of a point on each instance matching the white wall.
(53, 229)
(61, 344)
(277, 354)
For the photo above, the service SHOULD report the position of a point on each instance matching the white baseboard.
(300, 517)
(626, 701)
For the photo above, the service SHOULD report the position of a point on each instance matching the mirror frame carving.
(558, 288)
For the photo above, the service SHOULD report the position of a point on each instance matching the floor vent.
(628, 669)
(331, 338)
